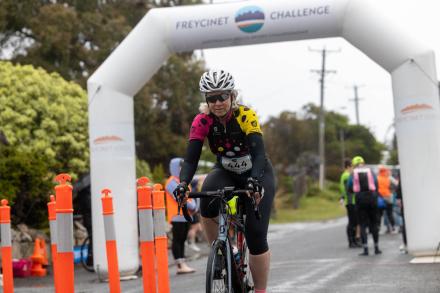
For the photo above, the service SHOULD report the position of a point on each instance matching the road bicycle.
(86, 254)
(228, 266)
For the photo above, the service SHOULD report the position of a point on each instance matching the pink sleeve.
(200, 127)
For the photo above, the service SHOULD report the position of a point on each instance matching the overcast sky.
(277, 76)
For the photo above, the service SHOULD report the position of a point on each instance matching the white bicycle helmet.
(216, 80)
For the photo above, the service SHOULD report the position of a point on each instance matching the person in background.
(180, 226)
(195, 227)
(363, 183)
(386, 183)
(399, 199)
(347, 198)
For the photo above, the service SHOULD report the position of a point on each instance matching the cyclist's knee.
(257, 243)
(258, 249)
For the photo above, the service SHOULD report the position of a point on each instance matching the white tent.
(166, 30)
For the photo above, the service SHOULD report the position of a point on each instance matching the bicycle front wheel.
(246, 275)
(86, 255)
(218, 271)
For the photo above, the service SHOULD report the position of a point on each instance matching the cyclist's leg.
(259, 265)
(256, 232)
(209, 209)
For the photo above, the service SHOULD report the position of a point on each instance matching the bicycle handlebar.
(221, 193)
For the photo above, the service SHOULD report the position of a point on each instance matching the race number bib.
(237, 165)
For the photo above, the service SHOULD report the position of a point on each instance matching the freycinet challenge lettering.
(320, 10)
(201, 23)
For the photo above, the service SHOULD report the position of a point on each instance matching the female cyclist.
(235, 137)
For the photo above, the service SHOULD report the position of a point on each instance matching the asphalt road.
(311, 257)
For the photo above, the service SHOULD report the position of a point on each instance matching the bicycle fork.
(223, 237)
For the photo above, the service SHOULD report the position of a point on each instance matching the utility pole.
(322, 73)
(356, 100)
(342, 139)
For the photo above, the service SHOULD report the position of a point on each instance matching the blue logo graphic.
(250, 19)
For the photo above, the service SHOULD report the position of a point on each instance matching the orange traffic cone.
(43, 252)
(37, 261)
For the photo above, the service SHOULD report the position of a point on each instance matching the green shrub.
(143, 169)
(42, 113)
(44, 119)
(286, 183)
(159, 174)
(25, 184)
(330, 191)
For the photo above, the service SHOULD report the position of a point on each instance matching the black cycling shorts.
(255, 230)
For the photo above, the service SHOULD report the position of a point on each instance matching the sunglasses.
(220, 97)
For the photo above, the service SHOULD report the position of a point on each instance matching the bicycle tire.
(217, 273)
(245, 274)
(85, 262)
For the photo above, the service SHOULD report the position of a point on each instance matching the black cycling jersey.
(238, 144)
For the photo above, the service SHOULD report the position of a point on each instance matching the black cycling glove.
(180, 190)
(254, 185)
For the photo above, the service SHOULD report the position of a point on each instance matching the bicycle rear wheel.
(217, 273)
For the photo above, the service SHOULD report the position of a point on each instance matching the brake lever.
(256, 208)
(179, 204)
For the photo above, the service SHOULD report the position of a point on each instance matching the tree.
(71, 37)
(44, 120)
(286, 138)
(42, 113)
(394, 158)
(165, 108)
(360, 141)
(292, 135)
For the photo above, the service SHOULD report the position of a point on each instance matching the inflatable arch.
(165, 30)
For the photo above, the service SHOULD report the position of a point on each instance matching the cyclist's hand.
(255, 187)
(181, 193)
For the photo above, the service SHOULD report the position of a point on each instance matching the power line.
(323, 71)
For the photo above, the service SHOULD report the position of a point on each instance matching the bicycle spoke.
(245, 270)
(217, 276)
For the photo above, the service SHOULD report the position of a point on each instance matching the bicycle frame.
(242, 270)
(235, 272)
(223, 228)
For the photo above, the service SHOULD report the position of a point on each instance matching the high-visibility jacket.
(348, 196)
(384, 183)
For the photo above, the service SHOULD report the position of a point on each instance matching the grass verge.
(316, 205)
(311, 209)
